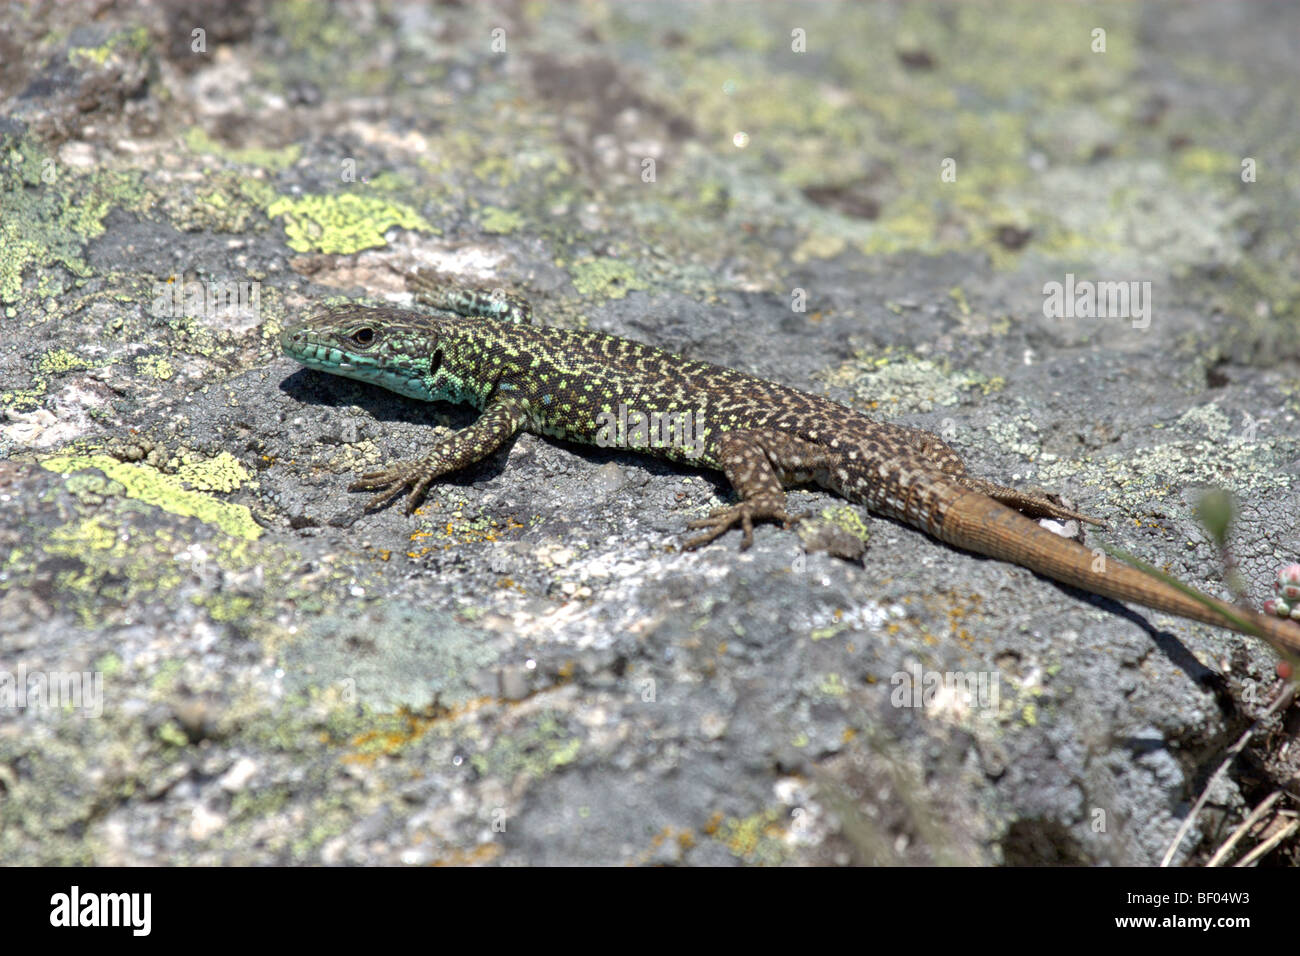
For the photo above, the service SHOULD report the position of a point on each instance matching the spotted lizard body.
(481, 349)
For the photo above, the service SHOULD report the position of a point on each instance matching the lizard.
(473, 347)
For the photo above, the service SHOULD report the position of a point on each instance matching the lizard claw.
(745, 513)
(391, 482)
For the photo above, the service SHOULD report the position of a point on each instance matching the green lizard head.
(401, 350)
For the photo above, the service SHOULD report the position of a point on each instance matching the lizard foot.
(758, 508)
(1036, 504)
(392, 481)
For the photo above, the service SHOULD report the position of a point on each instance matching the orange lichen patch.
(410, 727)
(957, 614)
(468, 533)
(483, 853)
(684, 838)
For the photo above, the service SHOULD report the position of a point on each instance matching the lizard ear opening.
(436, 363)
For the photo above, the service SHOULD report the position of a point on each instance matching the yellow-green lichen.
(535, 750)
(136, 40)
(111, 565)
(342, 223)
(155, 367)
(25, 399)
(163, 491)
(229, 200)
(171, 734)
(49, 213)
(225, 608)
(501, 221)
(57, 361)
(110, 665)
(848, 518)
(273, 160)
(223, 473)
(832, 685)
(757, 838)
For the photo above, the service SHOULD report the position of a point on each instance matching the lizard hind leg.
(753, 461)
(471, 303)
(1034, 505)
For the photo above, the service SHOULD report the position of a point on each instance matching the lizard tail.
(977, 523)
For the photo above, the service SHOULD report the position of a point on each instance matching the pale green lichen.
(1208, 450)
(605, 278)
(904, 382)
(163, 491)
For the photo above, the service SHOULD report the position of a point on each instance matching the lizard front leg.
(750, 459)
(501, 420)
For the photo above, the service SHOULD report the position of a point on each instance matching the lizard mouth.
(305, 347)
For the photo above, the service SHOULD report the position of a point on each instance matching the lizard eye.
(364, 337)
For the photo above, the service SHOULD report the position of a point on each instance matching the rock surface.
(865, 201)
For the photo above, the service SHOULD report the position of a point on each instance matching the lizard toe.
(747, 523)
(700, 540)
(375, 480)
(384, 496)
